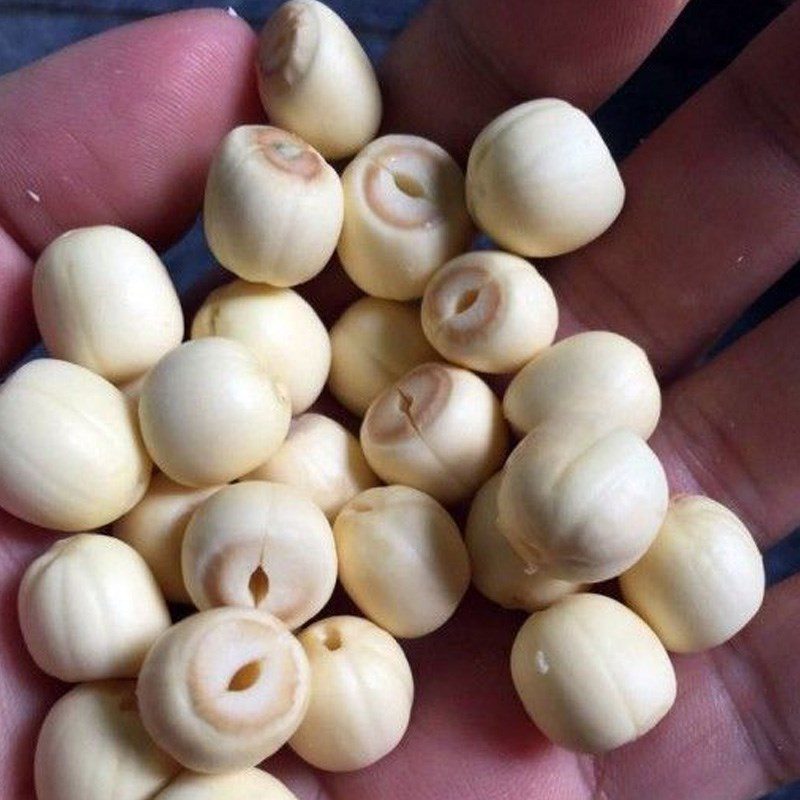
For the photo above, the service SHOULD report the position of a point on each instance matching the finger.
(735, 728)
(120, 128)
(25, 693)
(461, 62)
(732, 429)
(117, 129)
(711, 217)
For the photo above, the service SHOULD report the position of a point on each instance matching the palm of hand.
(711, 221)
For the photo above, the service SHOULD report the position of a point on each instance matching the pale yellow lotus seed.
(93, 746)
(362, 691)
(104, 300)
(401, 559)
(439, 429)
(498, 572)
(591, 674)
(89, 609)
(541, 180)
(224, 689)
(315, 79)
(71, 457)
(701, 581)
(249, 784)
(323, 459)
(489, 311)
(154, 527)
(579, 503)
(210, 412)
(597, 375)
(273, 206)
(405, 215)
(260, 545)
(374, 343)
(281, 328)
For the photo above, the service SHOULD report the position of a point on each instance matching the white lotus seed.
(701, 581)
(260, 545)
(133, 391)
(362, 691)
(401, 559)
(579, 503)
(93, 746)
(281, 328)
(405, 215)
(498, 572)
(154, 527)
(439, 429)
(596, 375)
(374, 343)
(249, 784)
(89, 609)
(322, 459)
(71, 457)
(591, 674)
(489, 311)
(104, 300)
(210, 412)
(273, 206)
(224, 689)
(315, 79)
(541, 181)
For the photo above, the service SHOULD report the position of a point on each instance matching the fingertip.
(120, 128)
(218, 27)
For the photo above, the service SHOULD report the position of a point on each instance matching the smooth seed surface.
(273, 206)
(315, 79)
(498, 572)
(591, 674)
(210, 412)
(93, 746)
(579, 503)
(701, 581)
(71, 457)
(597, 375)
(89, 609)
(361, 688)
(541, 180)
(154, 527)
(249, 784)
(401, 559)
(374, 343)
(323, 459)
(281, 328)
(103, 299)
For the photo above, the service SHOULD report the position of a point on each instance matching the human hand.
(120, 129)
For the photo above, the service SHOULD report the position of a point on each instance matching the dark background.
(706, 37)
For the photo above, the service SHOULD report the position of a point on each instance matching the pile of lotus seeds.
(255, 505)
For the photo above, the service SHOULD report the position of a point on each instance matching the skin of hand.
(120, 129)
